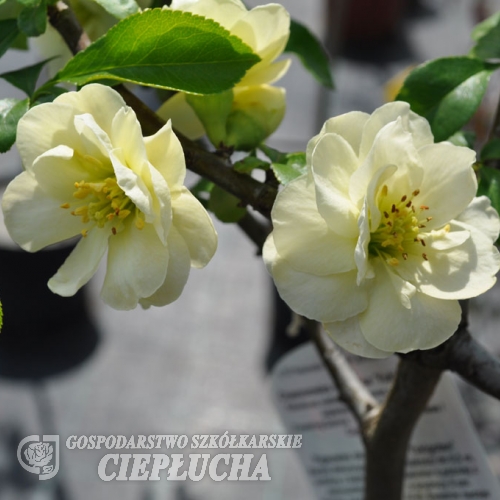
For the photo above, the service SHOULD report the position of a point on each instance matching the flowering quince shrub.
(90, 173)
(253, 109)
(383, 235)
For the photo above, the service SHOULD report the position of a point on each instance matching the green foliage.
(25, 78)
(447, 92)
(250, 163)
(225, 206)
(294, 167)
(463, 138)
(166, 49)
(8, 33)
(491, 150)
(311, 53)
(487, 38)
(286, 166)
(213, 111)
(482, 29)
(32, 21)
(11, 111)
(119, 8)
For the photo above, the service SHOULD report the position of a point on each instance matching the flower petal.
(392, 327)
(418, 127)
(460, 272)
(347, 334)
(361, 257)
(126, 134)
(225, 12)
(481, 215)
(100, 101)
(324, 298)
(265, 29)
(265, 74)
(136, 268)
(333, 162)
(131, 183)
(33, 219)
(177, 272)
(449, 183)
(349, 126)
(57, 170)
(44, 127)
(305, 241)
(81, 264)
(95, 141)
(165, 153)
(195, 226)
(392, 146)
(182, 115)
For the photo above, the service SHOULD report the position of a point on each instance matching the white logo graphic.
(40, 456)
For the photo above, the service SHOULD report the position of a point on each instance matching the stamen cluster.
(106, 202)
(400, 228)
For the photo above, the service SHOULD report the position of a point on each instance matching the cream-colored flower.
(265, 29)
(383, 235)
(90, 172)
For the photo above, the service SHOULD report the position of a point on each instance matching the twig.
(65, 22)
(351, 390)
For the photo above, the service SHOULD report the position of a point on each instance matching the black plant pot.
(43, 334)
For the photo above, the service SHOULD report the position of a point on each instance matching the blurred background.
(198, 365)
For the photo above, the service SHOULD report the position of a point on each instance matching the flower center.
(398, 232)
(106, 202)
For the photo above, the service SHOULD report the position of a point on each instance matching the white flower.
(90, 172)
(383, 236)
(255, 103)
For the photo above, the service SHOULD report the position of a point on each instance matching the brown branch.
(351, 389)
(391, 429)
(65, 22)
(465, 356)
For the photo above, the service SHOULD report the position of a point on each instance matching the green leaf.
(311, 53)
(482, 29)
(165, 49)
(119, 8)
(48, 95)
(294, 167)
(487, 37)
(213, 110)
(8, 33)
(273, 154)
(225, 206)
(491, 150)
(463, 138)
(250, 163)
(29, 3)
(447, 92)
(489, 185)
(11, 111)
(25, 78)
(32, 21)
